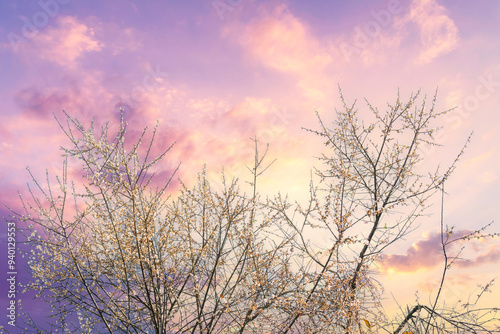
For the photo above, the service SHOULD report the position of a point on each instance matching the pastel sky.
(215, 73)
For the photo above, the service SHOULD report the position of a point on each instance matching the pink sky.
(216, 73)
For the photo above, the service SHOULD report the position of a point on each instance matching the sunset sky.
(215, 73)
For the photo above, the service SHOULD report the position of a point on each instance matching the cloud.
(481, 166)
(208, 108)
(423, 254)
(427, 254)
(457, 286)
(491, 256)
(479, 159)
(77, 96)
(437, 31)
(206, 129)
(383, 37)
(65, 43)
(280, 41)
(39, 104)
(488, 177)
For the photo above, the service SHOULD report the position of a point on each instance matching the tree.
(124, 258)
(128, 261)
(369, 196)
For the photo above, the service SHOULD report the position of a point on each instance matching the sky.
(216, 73)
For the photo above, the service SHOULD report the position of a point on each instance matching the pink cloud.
(37, 103)
(206, 129)
(77, 97)
(428, 253)
(457, 286)
(280, 41)
(65, 43)
(425, 253)
(438, 32)
(491, 256)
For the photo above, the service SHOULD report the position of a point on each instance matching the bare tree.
(122, 257)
